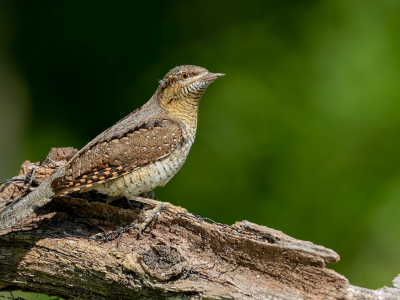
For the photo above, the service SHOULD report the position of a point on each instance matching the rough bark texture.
(62, 249)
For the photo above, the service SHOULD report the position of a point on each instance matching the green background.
(301, 135)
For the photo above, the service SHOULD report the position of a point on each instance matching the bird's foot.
(151, 210)
(149, 216)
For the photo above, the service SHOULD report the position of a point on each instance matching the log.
(82, 248)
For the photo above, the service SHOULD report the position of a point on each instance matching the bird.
(140, 152)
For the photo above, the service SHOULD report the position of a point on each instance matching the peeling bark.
(61, 250)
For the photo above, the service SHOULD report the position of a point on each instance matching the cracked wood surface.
(55, 251)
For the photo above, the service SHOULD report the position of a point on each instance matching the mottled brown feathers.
(114, 157)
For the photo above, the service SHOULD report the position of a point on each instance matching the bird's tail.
(39, 197)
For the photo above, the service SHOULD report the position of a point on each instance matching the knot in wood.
(163, 262)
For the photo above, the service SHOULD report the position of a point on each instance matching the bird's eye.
(185, 75)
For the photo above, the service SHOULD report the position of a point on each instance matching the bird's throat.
(182, 108)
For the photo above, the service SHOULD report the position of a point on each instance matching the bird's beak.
(211, 76)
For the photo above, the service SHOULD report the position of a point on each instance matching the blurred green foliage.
(18, 295)
(302, 135)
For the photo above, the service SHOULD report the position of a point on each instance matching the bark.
(73, 248)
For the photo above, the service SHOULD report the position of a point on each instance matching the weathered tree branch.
(68, 249)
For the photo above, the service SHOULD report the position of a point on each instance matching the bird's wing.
(116, 156)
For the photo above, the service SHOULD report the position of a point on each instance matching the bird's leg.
(153, 209)
(149, 196)
(153, 196)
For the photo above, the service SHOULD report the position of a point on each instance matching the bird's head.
(183, 87)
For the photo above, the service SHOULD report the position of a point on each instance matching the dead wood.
(75, 248)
